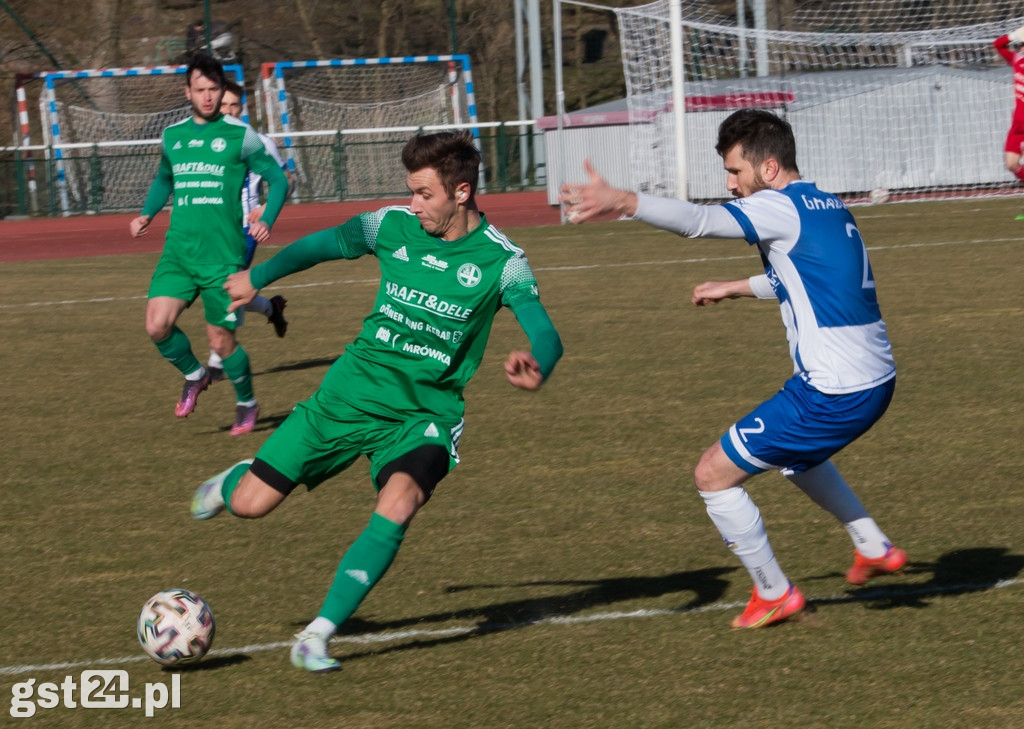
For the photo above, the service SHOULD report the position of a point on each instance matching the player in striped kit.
(816, 267)
(395, 395)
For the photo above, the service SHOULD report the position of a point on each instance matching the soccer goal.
(344, 121)
(104, 126)
(904, 96)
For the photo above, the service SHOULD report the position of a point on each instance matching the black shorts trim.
(427, 465)
(272, 477)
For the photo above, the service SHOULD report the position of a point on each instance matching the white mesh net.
(94, 110)
(359, 97)
(905, 95)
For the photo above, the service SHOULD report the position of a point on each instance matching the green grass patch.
(565, 575)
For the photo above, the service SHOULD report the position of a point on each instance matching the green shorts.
(174, 279)
(320, 439)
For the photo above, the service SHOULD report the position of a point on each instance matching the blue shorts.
(800, 427)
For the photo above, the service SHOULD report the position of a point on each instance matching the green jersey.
(432, 316)
(204, 166)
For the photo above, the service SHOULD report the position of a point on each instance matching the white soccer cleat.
(207, 501)
(310, 652)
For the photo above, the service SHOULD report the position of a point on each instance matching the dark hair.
(234, 87)
(762, 135)
(207, 66)
(452, 154)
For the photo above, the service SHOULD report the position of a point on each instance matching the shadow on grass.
(209, 664)
(264, 422)
(308, 364)
(954, 573)
(707, 586)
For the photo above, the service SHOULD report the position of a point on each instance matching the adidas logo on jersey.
(431, 431)
(401, 254)
(177, 145)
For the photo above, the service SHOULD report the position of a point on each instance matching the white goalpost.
(898, 95)
(363, 110)
(104, 126)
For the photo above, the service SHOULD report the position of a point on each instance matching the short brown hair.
(761, 135)
(207, 66)
(234, 87)
(452, 154)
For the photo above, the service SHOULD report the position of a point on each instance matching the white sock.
(868, 538)
(215, 361)
(196, 375)
(740, 524)
(827, 488)
(260, 305)
(247, 403)
(322, 627)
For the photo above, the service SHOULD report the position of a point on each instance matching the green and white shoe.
(310, 652)
(207, 501)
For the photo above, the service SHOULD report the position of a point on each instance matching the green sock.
(236, 367)
(231, 482)
(177, 349)
(361, 568)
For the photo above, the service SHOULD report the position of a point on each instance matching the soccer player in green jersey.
(203, 166)
(395, 395)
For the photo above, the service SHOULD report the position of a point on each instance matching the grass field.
(565, 575)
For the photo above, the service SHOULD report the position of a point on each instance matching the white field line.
(581, 267)
(394, 636)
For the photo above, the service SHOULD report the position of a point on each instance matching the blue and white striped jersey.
(251, 187)
(818, 268)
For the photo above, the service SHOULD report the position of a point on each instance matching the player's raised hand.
(585, 201)
(239, 288)
(523, 371)
(139, 225)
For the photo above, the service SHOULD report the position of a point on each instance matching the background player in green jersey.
(273, 308)
(395, 395)
(204, 162)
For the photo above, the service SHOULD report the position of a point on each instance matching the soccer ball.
(175, 627)
(878, 196)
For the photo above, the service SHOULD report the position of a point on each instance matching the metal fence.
(115, 177)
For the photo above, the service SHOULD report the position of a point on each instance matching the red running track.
(107, 235)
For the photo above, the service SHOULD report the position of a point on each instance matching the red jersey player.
(1009, 47)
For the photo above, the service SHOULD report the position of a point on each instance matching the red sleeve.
(1002, 44)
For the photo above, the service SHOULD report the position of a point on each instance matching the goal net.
(903, 95)
(105, 127)
(344, 121)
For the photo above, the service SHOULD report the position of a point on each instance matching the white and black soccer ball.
(176, 627)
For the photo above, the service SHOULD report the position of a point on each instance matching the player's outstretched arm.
(304, 253)
(596, 197)
(711, 292)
